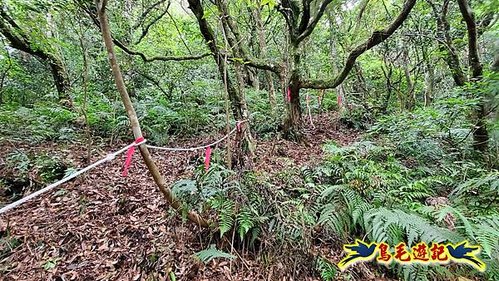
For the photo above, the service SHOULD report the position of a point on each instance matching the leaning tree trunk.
(20, 40)
(134, 121)
(61, 79)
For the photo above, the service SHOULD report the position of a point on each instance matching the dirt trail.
(102, 226)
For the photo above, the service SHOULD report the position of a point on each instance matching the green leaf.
(212, 253)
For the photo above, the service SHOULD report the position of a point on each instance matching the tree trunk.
(480, 135)
(495, 63)
(389, 87)
(61, 80)
(410, 100)
(446, 44)
(134, 121)
(236, 96)
(292, 123)
(262, 48)
(20, 41)
(429, 84)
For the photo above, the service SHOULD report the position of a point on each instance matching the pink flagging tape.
(207, 158)
(129, 156)
(108, 158)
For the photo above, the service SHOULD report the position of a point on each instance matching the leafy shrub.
(46, 168)
(42, 122)
(385, 188)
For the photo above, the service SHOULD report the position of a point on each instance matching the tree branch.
(305, 18)
(157, 58)
(92, 14)
(19, 40)
(179, 33)
(154, 81)
(240, 49)
(314, 21)
(376, 38)
(259, 64)
(154, 21)
(143, 16)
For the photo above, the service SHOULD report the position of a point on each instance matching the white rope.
(198, 147)
(108, 158)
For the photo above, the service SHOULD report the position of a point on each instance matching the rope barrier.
(108, 158)
(199, 147)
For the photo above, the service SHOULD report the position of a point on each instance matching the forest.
(249, 140)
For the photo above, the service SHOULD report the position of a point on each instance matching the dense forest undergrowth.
(372, 120)
(81, 217)
(409, 175)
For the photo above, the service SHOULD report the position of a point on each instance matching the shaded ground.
(102, 226)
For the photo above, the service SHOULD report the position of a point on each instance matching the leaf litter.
(102, 226)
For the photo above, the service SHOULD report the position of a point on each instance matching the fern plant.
(480, 191)
(211, 253)
(326, 269)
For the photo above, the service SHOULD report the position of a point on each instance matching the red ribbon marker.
(340, 100)
(288, 95)
(207, 158)
(238, 125)
(129, 155)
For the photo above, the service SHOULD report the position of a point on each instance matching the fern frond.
(466, 224)
(487, 235)
(415, 272)
(211, 253)
(226, 216)
(245, 221)
(489, 183)
(326, 269)
(415, 227)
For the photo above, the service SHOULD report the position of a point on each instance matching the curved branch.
(376, 38)
(259, 64)
(143, 16)
(314, 21)
(21, 41)
(157, 58)
(91, 12)
(154, 21)
(240, 50)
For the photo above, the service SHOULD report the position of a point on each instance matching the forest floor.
(102, 226)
